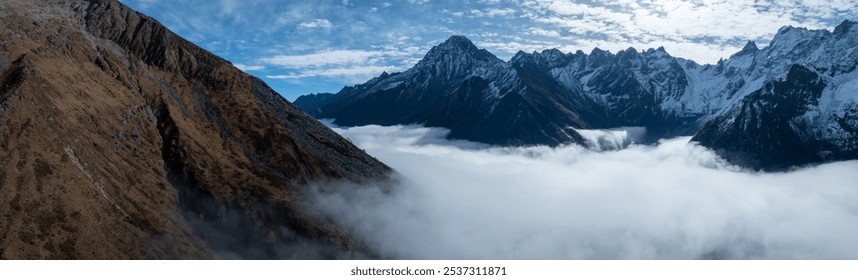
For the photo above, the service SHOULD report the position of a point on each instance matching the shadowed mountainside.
(121, 140)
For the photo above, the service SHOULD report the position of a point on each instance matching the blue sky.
(301, 47)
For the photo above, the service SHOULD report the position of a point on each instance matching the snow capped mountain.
(543, 97)
(456, 59)
(400, 97)
(759, 131)
(805, 111)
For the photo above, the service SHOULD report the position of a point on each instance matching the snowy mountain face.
(760, 131)
(805, 112)
(546, 97)
(403, 97)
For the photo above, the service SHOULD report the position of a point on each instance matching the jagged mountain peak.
(598, 57)
(552, 52)
(598, 51)
(792, 33)
(451, 61)
(796, 43)
(628, 54)
(456, 50)
(552, 56)
(520, 54)
(457, 44)
(750, 48)
(789, 28)
(844, 27)
(660, 49)
(458, 41)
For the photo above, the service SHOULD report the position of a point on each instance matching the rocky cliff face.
(121, 140)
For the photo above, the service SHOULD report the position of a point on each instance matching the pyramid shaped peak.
(750, 48)
(458, 47)
(458, 41)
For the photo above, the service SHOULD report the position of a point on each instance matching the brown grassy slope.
(119, 139)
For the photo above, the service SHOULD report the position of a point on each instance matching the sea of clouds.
(674, 200)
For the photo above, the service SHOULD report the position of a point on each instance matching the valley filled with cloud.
(674, 200)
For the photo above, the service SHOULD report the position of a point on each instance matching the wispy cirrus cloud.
(332, 57)
(544, 32)
(493, 12)
(245, 67)
(316, 24)
(351, 66)
(706, 30)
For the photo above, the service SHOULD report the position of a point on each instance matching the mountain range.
(792, 103)
(121, 140)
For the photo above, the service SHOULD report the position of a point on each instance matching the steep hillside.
(121, 140)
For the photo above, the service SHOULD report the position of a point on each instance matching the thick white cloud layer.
(461, 200)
